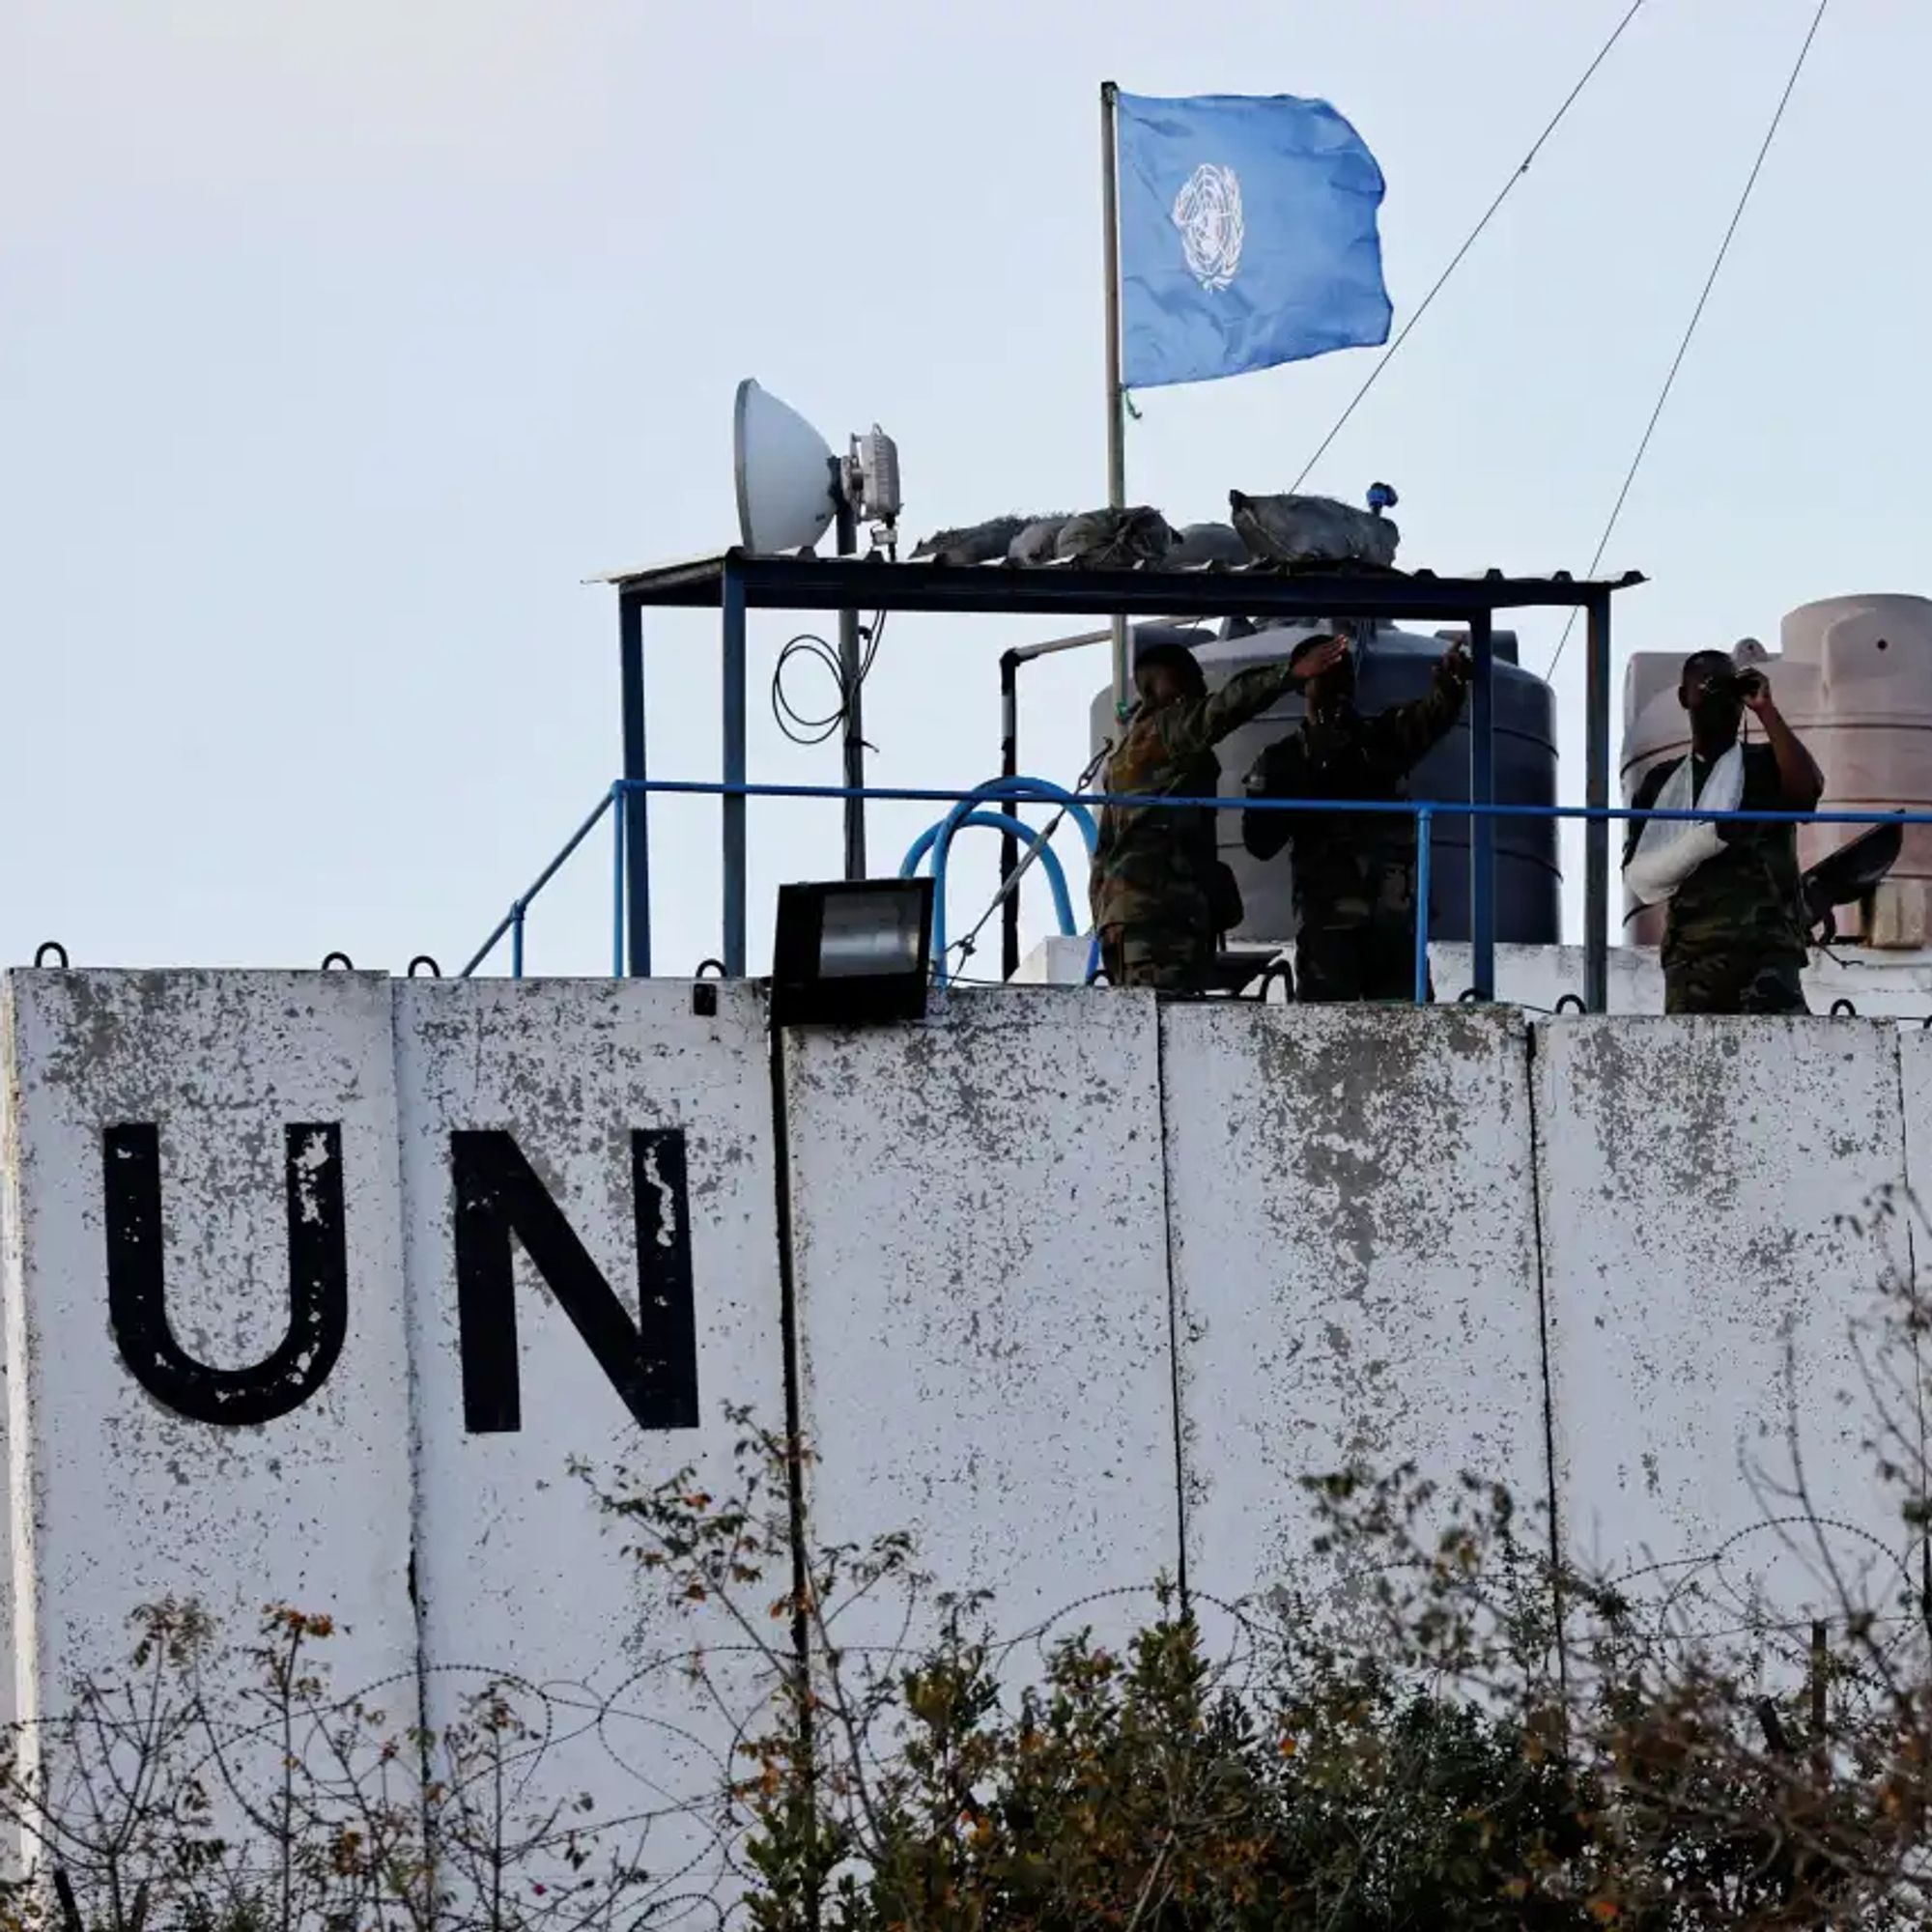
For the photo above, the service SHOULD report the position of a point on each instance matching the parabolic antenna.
(785, 473)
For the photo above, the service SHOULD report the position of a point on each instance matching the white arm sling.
(1669, 850)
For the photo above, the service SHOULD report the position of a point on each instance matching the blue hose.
(1017, 791)
(997, 821)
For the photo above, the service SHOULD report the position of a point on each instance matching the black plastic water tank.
(1395, 666)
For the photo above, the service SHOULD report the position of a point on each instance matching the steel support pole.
(732, 600)
(1425, 846)
(1009, 844)
(617, 888)
(1482, 825)
(635, 807)
(1596, 794)
(849, 687)
(1117, 452)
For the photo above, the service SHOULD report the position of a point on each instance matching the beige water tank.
(1854, 676)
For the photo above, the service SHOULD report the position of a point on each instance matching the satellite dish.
(785, 474)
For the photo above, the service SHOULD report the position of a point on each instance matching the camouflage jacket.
(1153, 867)
(1349, 866)
(1746, 899)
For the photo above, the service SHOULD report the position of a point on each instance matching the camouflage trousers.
(1170, 958)
(1365, 959)
(1733, 983)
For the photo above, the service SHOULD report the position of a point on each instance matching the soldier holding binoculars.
(1735, 936)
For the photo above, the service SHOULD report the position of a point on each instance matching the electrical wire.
(1696, 316)
(1456, 261)
(799, 726)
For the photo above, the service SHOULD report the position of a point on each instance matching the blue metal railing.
(1425, 813)
(512, 920)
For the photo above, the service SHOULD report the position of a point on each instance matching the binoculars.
(1737, 684)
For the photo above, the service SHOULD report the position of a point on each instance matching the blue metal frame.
(634, 835)
(735, 582)
(966, 810)
(620, 835)
(1442, 808)
(512, 920)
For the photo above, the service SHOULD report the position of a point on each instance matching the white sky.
(339, 341)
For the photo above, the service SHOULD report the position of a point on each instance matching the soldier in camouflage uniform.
(1156, 906)
(1735, 937)
(1354, 873)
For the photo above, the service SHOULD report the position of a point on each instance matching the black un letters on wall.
(137, 1308)
(651, 1360)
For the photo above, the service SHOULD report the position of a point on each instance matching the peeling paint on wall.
(517, 1570)
(982, 1259)
(1083, 1286)
(124, 1497)
(1713, 1268)
(1354, 1255)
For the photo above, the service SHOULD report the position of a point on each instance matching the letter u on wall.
(137, 1287)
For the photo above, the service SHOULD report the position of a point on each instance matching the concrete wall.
(981, 1244)
(1079, 1288)
(117, 1497)
(1878, 984)
(1353, 1208)
(1714, 1193)
(518, 1572)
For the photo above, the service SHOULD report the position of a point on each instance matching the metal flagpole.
(1117, 459)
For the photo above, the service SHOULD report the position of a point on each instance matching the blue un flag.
(1247, 236)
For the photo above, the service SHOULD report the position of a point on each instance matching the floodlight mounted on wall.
(852, 953)
(790, 486)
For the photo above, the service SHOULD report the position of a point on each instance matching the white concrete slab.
(1354, 1255)
(518, 1572)
(1899, 1366)
(984, 1313)
(1056, 962)
(1711, 1260)
(1878, 983)
(1538, 976)
(184, 1433)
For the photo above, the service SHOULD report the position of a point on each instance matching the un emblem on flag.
(1207, 212)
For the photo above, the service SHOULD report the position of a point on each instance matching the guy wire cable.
(1456, 260)
(1010, 885)
(1696, 315)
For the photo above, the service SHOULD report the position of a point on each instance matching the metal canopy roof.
(810, 582)
(734, 583)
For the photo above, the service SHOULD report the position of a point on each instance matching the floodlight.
(872, 476)
(854, 953)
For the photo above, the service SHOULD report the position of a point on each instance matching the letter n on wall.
(651, 1361)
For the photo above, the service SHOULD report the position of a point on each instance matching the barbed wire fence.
(224, 1783)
